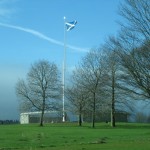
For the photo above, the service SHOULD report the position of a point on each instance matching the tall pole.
(64, 69)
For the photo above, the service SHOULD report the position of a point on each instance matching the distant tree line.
(9, 122)
(141, 117)
(107, 78)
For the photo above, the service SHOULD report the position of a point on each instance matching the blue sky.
(31, 30)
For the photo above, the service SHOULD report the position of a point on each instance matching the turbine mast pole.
(64, 70)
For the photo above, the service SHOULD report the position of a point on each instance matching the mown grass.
(67, 136)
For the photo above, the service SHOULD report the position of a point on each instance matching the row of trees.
(119, 71)
(107, 78)
(110, 80)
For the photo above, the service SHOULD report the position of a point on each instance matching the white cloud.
(4, 12)
(6, 2)
(6, 8)
(42, 36)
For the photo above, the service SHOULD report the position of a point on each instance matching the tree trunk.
(113, 100)
(93, 114)
(42, 118)
(43, 109)
(113, 123)
(80, 119)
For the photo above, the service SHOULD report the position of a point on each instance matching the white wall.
(24, 118)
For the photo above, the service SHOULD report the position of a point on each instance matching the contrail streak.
(42, 36)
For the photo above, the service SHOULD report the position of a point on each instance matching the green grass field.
(69, 136)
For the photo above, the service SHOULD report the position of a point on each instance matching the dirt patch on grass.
(102, 140)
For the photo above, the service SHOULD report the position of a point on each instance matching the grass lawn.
(67, 136)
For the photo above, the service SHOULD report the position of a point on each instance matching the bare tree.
(42, 88)
(113, 69)
(120, 98)
(137, 17)
(78, 98)
(137, 67)
(91, 78)
(134, 42)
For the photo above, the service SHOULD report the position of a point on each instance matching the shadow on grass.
(120, 126)
(9, 148)
(97, 125)
(133, 126)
